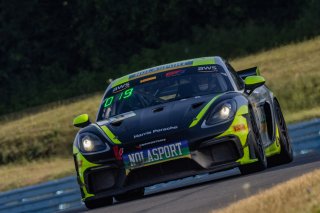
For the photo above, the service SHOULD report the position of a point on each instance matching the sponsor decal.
(174, 73)
(155, 131)
(160, 69)
(121, 87)
(210, 68)
(153, 142)
(79, 162)
(118, 152)
(239, 127)
(158, 154)
(142, 134)
(148, 79)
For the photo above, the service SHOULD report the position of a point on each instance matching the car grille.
(101, 180)
(157, 171)
(224, 152)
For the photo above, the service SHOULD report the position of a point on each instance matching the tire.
(92, 204)
(286, 154)
(131, 195)
(255, 137)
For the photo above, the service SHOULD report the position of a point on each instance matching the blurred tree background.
(53, 50)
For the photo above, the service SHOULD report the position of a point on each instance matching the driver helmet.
(206, 82)
(202, 83)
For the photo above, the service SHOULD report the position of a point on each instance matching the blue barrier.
(300, 130)
(64, 193)
(305, 136)
(47, 197)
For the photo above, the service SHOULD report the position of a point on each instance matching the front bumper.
(210, 156)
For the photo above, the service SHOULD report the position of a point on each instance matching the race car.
(177, 120)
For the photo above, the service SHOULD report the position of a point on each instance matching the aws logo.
(120, 87)
(208, 69)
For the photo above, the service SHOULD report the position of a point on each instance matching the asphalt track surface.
(206, 193)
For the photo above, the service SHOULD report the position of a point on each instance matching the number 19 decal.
(126, 94)
(108, 102)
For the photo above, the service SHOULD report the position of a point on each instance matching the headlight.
(222, 112)
(89, 142)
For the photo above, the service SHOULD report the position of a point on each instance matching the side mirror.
(253, 82)
(81, 121)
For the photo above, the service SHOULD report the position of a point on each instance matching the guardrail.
(64, 193)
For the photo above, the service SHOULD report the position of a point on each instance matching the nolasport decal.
(155, 155)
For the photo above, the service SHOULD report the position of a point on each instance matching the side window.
(236, 78)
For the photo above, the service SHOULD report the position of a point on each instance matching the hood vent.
(158, 109)
(196, 105)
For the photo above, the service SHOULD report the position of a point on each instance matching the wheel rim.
(258, 138)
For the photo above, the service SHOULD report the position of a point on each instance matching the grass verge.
(301, 194)
(30, 173)
(302, 115)
(44, 134)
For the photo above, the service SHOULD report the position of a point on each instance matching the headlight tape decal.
(112, 137)
(202, 112)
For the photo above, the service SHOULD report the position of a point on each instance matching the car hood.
(156, 122)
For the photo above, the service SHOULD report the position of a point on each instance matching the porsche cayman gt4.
(177, 120)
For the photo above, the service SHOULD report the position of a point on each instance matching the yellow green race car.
(177, 120)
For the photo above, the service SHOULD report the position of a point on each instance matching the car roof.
(166, 67)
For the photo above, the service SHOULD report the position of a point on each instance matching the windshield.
(162, 88)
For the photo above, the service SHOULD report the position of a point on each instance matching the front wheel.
(255, 138)
(286, 154)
